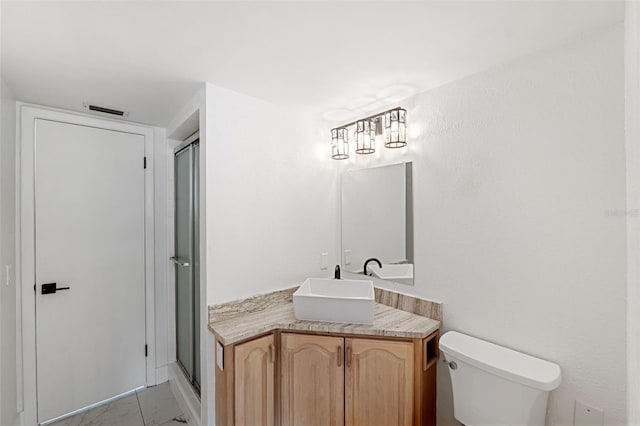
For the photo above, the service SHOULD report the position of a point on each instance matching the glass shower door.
(196, 266)
(187, 263)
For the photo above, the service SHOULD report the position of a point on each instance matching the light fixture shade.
(395, 128)
(340, 143)
(366, 136)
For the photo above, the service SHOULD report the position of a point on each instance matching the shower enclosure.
(187, 261)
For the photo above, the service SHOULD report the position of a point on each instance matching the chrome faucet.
(336, 274)
(366, 263)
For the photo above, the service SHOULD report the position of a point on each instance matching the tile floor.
(154, 406)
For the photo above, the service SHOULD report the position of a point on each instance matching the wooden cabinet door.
(254, 382)
(312, 380)
(379, 382)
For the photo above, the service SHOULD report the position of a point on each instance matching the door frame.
(27, 114)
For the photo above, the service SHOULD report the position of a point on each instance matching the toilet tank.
(494, 385)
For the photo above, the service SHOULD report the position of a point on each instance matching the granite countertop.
(395, 315)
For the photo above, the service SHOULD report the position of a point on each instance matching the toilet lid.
(504, 362)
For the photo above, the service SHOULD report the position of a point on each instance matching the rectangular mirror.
(377, 222)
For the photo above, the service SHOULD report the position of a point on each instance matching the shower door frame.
(190, 144)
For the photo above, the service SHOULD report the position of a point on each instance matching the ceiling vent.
(104, 110)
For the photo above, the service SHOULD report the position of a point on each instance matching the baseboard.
(185, 395)
(162, 374)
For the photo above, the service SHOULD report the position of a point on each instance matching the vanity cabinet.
(312, 380)
(379, 382)
(296, 378)
(245, 382)
(371, 382)
(254, 377)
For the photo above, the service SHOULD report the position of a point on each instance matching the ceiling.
(332, 58)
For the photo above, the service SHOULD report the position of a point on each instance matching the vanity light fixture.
(366, 136)
(340, 143)
(395, 128)
(391, 123)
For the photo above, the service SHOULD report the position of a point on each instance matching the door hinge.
(146, 351)
(144, 162)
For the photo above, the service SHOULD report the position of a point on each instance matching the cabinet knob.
(349, 356)
(270, 353)
(340, 356)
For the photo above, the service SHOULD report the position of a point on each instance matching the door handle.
(51, 288)
(180, 261)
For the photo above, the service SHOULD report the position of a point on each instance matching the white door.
(89, 236)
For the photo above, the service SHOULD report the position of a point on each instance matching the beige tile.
(158, 405)
(178, 421)
(122, 412)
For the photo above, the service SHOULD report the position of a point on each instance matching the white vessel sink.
(401, 273)
(330, 300)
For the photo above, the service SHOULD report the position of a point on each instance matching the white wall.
(8, 381)
(271, 204)
(632, 105)
(519, 214)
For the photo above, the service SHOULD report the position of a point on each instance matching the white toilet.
(493, 385)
